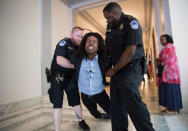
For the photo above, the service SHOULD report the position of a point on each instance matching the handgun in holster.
(48, 74)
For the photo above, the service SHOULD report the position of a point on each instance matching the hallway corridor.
(39, 118)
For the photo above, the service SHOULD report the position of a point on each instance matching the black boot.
(83, 125)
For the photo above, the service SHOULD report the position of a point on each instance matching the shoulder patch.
(62, 43)
(134, 24)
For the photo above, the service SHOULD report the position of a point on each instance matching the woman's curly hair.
(169, 38)
(101, 48)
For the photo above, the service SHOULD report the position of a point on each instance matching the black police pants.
(91, 103)
(126, 99)
(56, 93)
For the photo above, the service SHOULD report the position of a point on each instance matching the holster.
(48, 74)
(58, 76)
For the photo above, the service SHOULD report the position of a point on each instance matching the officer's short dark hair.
(76, 28)
(169, 38)
(111, 7)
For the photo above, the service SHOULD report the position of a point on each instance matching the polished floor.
(39, 118)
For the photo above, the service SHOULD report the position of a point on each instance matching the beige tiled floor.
(39, 118)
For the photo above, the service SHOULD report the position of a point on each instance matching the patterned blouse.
(168, 59)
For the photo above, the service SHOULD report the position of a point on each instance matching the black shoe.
(84, 125)
(105, 116)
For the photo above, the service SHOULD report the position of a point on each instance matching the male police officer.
(124, 43)
(61, 68)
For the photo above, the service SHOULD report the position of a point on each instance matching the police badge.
(108, 30)
(121, 26)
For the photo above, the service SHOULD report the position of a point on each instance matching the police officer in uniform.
(61, 73)
(126, 52)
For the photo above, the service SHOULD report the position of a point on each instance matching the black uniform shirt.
(127, 32)
(64, 48)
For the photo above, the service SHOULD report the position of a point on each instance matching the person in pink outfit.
(168, 77)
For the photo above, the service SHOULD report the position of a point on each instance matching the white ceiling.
(92, 11)
(138, 8)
